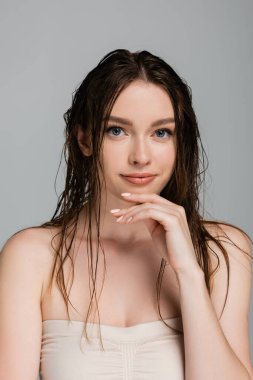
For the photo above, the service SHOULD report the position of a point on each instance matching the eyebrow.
(156, 123)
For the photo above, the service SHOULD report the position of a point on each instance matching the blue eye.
(113, 128)
(165, 130)
(116, 128)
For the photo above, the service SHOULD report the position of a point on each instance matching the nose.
(139, 153)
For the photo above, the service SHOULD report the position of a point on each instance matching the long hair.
(91, 105)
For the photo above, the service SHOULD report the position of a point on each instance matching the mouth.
(139, 179)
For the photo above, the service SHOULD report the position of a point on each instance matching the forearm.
(208, 354)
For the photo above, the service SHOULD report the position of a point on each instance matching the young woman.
(127, 280)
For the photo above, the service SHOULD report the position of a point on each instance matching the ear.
(84, 141)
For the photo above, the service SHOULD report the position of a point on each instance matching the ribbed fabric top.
(145, 351)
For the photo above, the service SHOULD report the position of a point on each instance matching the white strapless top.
(145, 351)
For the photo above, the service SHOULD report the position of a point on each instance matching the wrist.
(190, 276)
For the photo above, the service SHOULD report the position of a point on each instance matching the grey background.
(48, 47)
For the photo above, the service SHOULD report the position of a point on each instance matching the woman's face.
(136, 144)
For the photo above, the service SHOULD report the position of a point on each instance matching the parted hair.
(92, 102)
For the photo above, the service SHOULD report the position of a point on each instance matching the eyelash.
(115, 126)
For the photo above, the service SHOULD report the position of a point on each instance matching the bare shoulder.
(30, 247)
(231, 293)
(238, 256)
(34, 242)
(23, 262)
(236, 243)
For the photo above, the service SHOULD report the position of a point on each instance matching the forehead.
(142, 97)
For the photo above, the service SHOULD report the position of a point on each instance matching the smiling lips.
(139, 178)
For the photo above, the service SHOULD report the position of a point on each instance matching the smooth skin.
(25, 262)
(135, 149)
(168, 227)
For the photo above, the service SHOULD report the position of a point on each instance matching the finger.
(122, 211)
(156, 213)
(125, 214)
(156, 199)
(151, 198)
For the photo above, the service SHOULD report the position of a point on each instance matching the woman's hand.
(168, 228)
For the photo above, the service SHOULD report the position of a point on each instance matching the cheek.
(167, 156)
(110, 159)
(111, 150)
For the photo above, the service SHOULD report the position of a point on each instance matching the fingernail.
(125, 194)
(117, 220)
(115, 210)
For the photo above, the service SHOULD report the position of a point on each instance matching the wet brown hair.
(90, 109)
